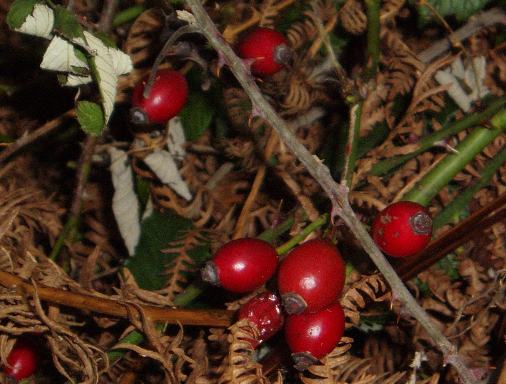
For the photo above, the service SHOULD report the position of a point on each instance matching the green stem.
(352, 144)
(453, 163)
(68, 233)
(127, 15)
(294, 241)
(452, 210)
(373, 35)
(272, 234)
(385, 166)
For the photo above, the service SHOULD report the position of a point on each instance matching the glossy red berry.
(402, 229)
(263, 310)
(22, 361)
(311, 336)
(166, 98)
(241, 265)
(267, 47)
(311, 277)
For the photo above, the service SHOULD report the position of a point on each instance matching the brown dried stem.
(482, 20)
(24, 140)
(337, 194)
(116, 308)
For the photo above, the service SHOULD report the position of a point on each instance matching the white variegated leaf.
(164, 166)
(176, 138)
(107, 65)
(60, 57)
(107, 77)
(121, 62)
(76, 80)
(39, 23)
(125, 205)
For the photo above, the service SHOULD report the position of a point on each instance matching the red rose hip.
(311, 277)
(311, 336)
(165, 100)
(402, 229)
(263, 310)
(22, 361)
(241, 265)
(267, 47)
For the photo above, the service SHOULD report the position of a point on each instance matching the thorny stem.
(337, 194)
(352, 145)
(373, 35)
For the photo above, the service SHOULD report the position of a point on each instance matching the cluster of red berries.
(21, 362)
(310, 280)
(267, 50)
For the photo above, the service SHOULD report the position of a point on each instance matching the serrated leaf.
(66, 23)
(39, 23)
(18, 12)
(73, 80)
(109, 63)
(61, 56)
(461, 9)
(90, 117)
(157, 232)
(125, 205)
(165, 168)
(196, 115)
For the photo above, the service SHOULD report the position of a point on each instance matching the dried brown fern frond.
(329, 368)
(239, 366)
(182, 264)
(353, 18)
(306, 31)
(166, 349)
(384, 356)
(71, 355)
(367, 289)
(200, 366)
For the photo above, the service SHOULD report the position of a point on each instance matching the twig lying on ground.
(24, 140)
(117, 308)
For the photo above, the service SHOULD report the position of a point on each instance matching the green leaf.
(91, 117)
(148, 262)
(19, 11)
(461, 9)
(196, 115)
(66, 23)
(450, 265)
(106, 39)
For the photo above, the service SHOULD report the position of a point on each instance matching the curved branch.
(117, 308)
